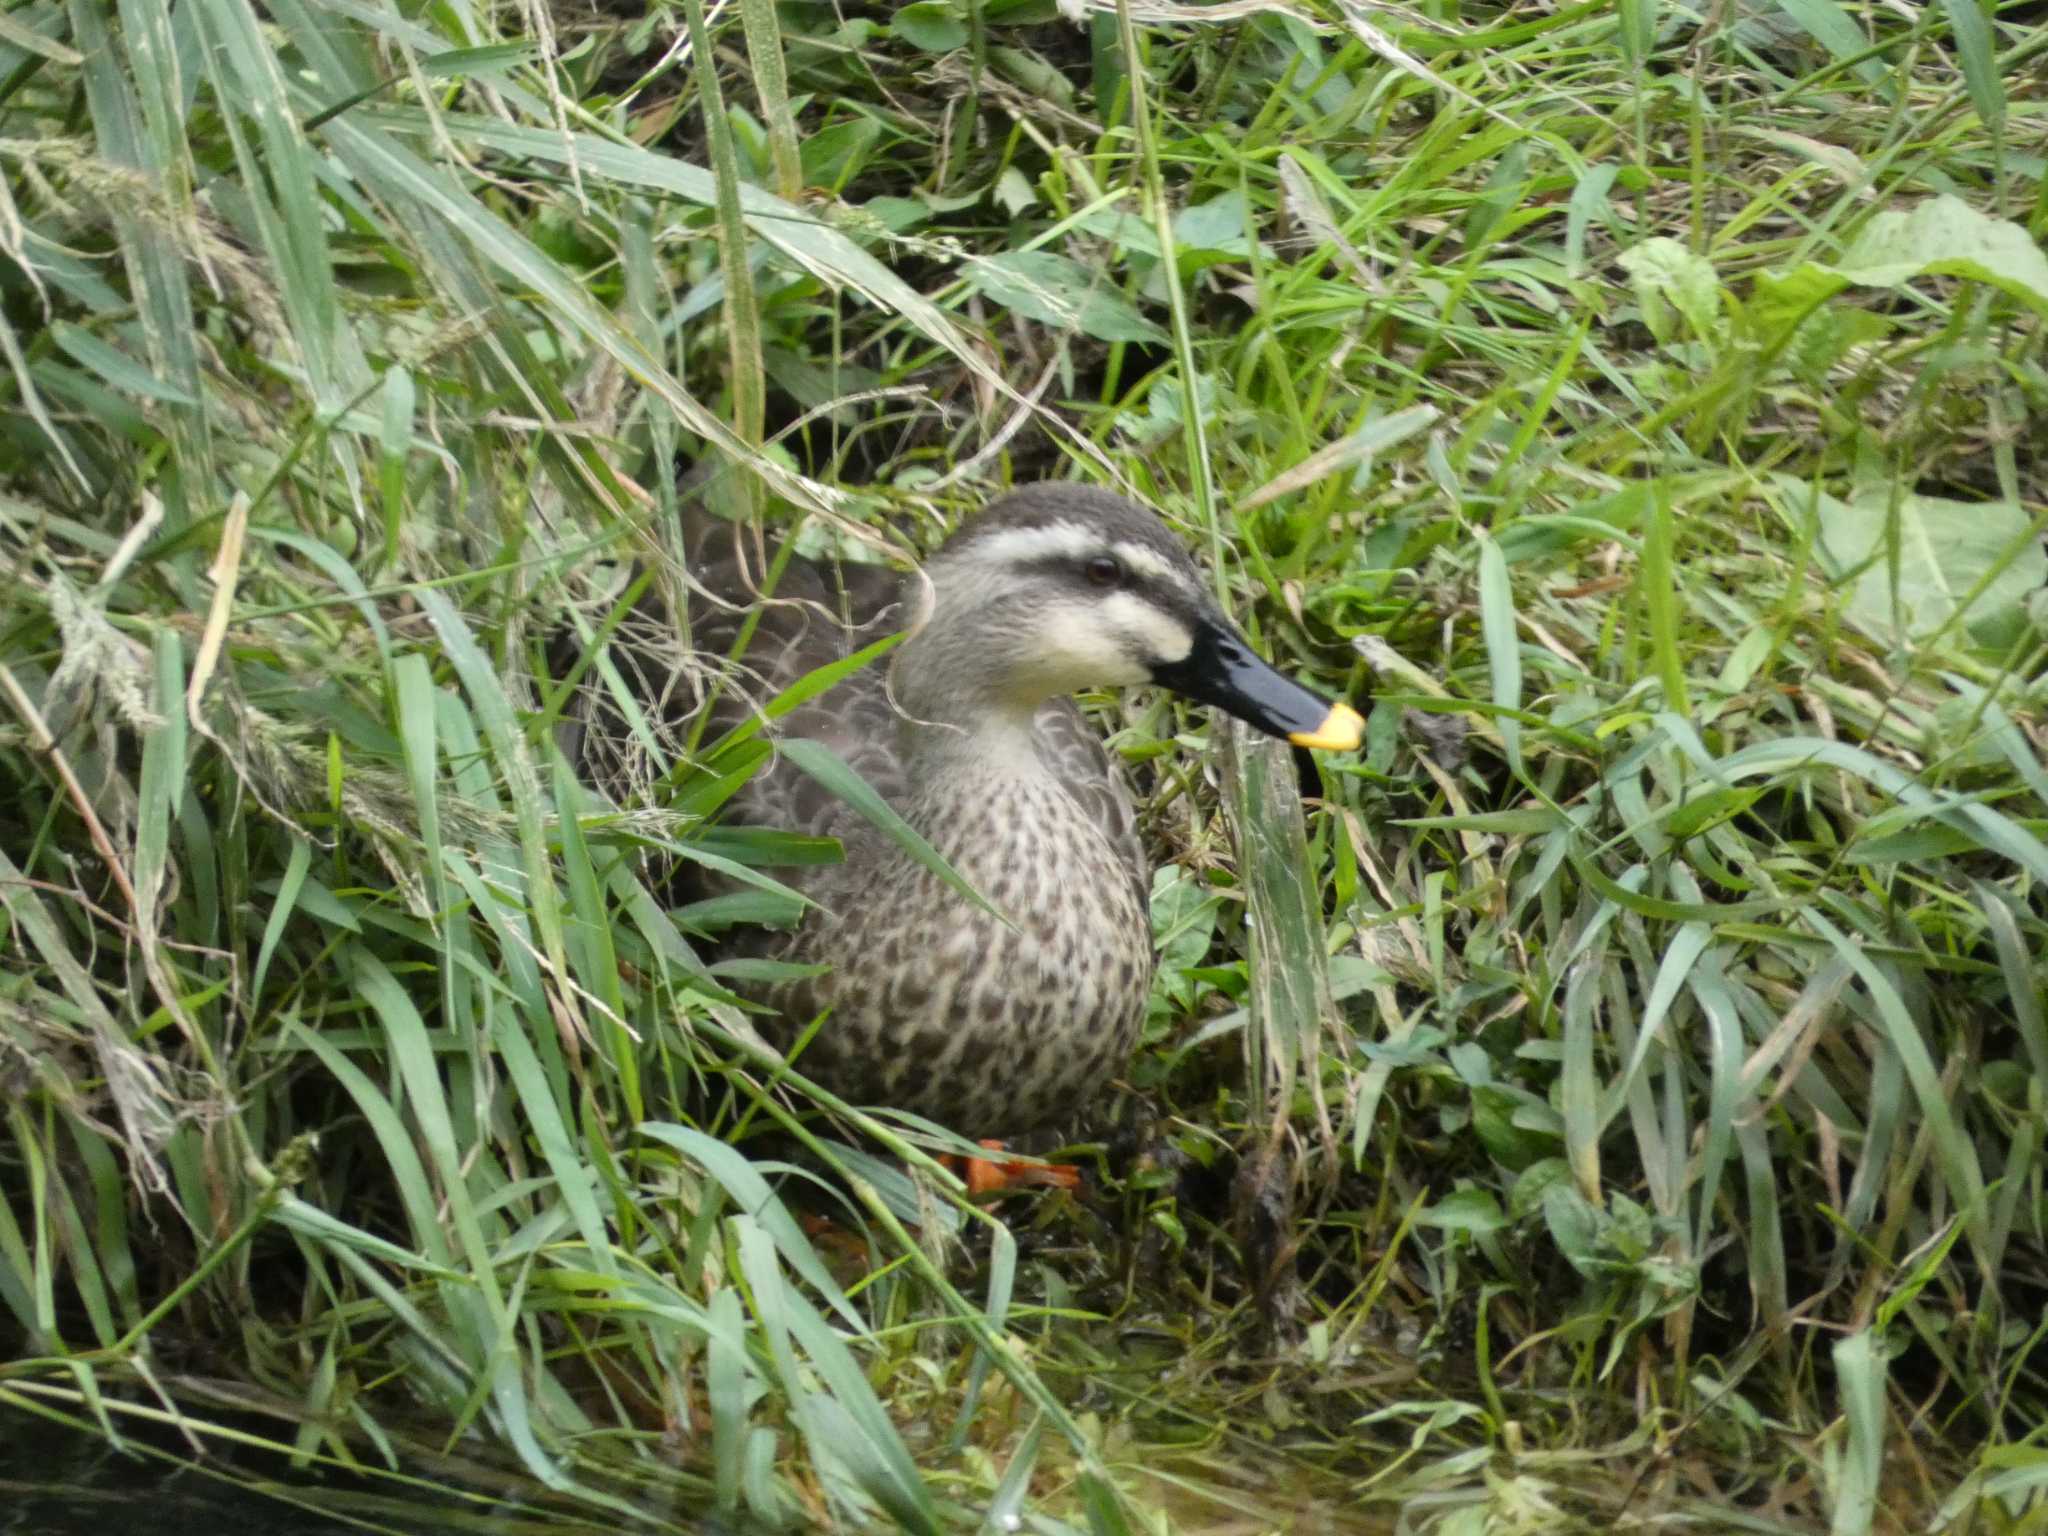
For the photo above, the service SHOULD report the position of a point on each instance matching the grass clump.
(1619, 1100)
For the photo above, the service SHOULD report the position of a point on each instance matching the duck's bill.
(1221, 669)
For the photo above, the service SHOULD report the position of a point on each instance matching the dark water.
(61, 1481)
(57, 1482)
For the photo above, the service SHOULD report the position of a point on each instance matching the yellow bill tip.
(1343, 728)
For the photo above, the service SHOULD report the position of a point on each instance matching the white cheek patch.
(1084, 646)
(1163, 639)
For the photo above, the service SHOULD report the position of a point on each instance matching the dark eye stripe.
(1067, 567)
(1169, 597)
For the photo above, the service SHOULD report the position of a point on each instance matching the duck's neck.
(953, 721)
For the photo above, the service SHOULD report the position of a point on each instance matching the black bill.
(1222, 670)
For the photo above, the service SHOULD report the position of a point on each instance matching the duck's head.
(1059, 588)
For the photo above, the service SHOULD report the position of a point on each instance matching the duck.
(1001, 1016)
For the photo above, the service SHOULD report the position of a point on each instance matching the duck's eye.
(1106, 571)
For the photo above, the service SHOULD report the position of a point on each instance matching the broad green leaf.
(1914, 562)
(1465, 1210)
(1056, 291)
(1941, 237)
(1945, 236)
(1668, 277)
(1217, 226)
(936, 26)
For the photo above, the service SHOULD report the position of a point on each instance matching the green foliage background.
(1617, 1102)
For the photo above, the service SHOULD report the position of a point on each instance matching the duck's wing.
(684, 679)
(819, 613)
(1094, 777)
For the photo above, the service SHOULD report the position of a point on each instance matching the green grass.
(1617, 1102)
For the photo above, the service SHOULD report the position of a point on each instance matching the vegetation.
(1618, 1103)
